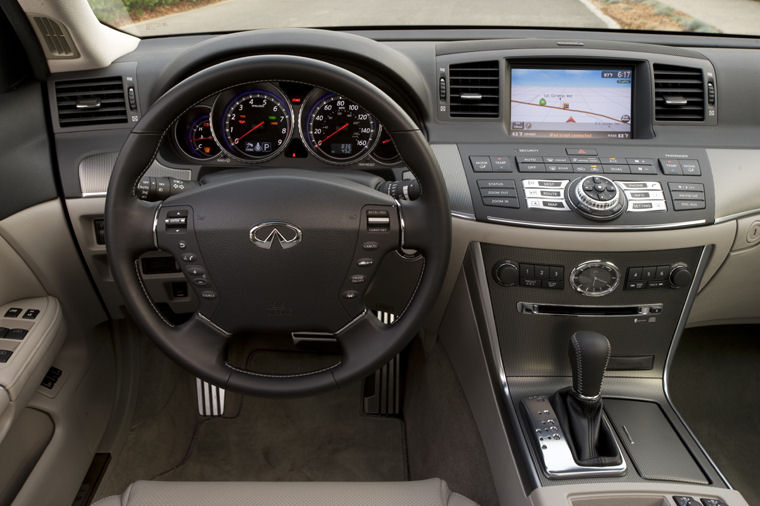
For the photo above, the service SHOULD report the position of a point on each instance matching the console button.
(5, 355)
(511, 203)
(501, 164)
(556, 159)
(678, 195)
(634, 273)
(687, 187)
(712, 502)
(640, 161)
(647, 273)
(531, 167)
(481, 163)
(13, 312)
(195, 270)
(498, 192)
(559, 167)
(690, 168)
(541, 271)
(616, 169)
(556, 277)
(581, 151)
(688, 205)
(684, 500)
(585, 159)
(530, 159)
(496, 183)
(670, 167)
(587, 168)
(643, 169)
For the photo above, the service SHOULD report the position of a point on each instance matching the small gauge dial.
(338, 130)
(193, 134)
(385, 151)
(256, 125)
(595, 278)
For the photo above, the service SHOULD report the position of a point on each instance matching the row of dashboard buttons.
(687, 196)
(647, 277)
(542, 276)
(499, 193)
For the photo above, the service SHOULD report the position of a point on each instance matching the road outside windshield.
(147, 18)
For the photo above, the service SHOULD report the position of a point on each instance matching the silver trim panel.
(553, 446)
(659, 226)
(536, 308)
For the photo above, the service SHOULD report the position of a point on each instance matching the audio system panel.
(583, 187)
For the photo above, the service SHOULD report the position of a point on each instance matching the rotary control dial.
(596, 197)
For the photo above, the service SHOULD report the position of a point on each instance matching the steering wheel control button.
(195, 270)
(31, 314)
(200, 282)
(378, 220)
(208, 294)
(189, 257)
(350, 294)
(365, 262)
(370, 245)
(182, 245)
(13, 312)
(358, 278)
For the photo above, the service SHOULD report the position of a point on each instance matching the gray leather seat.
(432, 492)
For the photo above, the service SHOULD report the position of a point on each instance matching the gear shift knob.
(589, 353)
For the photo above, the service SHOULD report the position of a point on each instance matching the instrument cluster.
(259, 122)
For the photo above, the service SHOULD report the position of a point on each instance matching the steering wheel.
(275, 250)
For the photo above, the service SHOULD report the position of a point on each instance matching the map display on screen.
(571, 103)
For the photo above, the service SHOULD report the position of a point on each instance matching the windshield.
(146, 18)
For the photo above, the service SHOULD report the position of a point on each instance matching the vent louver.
(98, 101)
(474, 90)
(679, 93)
(57, 40)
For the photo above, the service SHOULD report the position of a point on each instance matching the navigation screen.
(571, 103)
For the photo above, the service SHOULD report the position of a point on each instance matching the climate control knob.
(596, 198)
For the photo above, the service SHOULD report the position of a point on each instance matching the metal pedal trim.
(210, 398)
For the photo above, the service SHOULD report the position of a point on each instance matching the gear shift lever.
(589, 353)
(579, 409)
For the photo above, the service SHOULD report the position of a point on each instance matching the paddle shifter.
(579, 409)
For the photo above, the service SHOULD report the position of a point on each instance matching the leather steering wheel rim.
(199, 345)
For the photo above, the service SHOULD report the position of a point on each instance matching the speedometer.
(256, 125)
(338, 130)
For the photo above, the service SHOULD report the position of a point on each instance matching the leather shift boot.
(589, 439)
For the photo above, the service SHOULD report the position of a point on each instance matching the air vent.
(85, 102)
(56, 39)
(679, 93)
(474, 89)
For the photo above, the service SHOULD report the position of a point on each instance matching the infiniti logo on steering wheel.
(264, 235)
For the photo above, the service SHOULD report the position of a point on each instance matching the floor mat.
(715, 384)
(324, 437)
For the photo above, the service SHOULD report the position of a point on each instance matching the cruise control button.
(208, 294)
(350, 294)
(365, 262)
(189, 257)
(370, 245)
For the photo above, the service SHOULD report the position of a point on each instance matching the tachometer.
(385, 152)
(256, 124)
(338, 130)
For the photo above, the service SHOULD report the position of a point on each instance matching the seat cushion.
(432, 492)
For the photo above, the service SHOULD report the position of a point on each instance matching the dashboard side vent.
(679, 93)
(97, 101)
(474, 89)
(57, 42)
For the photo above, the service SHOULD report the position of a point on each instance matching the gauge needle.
(386, 141)
(249, 131)
(335, 132)
(201, 139)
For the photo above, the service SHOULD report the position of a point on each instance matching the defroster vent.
(84, 102)
(474, 89)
